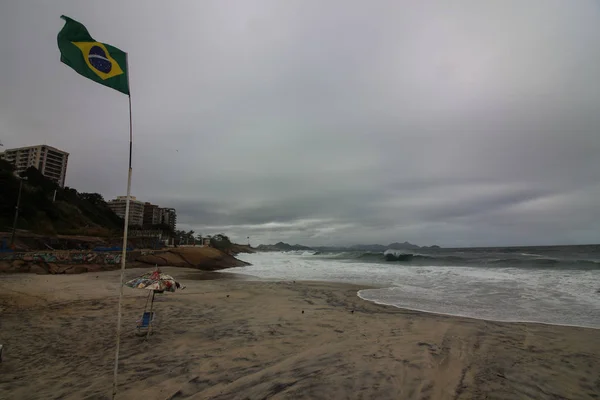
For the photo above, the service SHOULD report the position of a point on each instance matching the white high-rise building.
(50, 161)
(136, 209)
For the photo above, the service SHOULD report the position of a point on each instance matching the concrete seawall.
(74, 257)
(75, 262)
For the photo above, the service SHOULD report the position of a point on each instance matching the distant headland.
(281, 246)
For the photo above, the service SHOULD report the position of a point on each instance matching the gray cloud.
(470, 123)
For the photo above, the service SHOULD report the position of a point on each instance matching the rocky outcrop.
(203, 258)
(240, 248)
(153, 260)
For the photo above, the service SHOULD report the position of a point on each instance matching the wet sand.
(240, 339)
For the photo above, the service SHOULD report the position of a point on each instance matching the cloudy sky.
(461, 123)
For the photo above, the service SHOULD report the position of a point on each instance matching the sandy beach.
(240, 339)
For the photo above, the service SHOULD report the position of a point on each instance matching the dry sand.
(237, 339)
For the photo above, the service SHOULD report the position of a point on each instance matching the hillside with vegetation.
(71, 213)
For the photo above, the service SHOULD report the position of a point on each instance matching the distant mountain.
(368, 247)
(376, 248)
(403, 246)
(381, 248)
(281, 246)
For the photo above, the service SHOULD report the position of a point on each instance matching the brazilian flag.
(97, 61)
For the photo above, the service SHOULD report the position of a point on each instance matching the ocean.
(553, 285)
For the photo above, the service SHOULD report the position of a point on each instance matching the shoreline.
(237, 338)
(360, 288)
(474, 318)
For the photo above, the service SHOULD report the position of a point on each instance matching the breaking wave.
(450, 258)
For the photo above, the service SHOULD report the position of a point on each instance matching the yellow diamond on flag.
(98, 59)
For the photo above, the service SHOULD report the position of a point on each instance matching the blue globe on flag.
(97, 58)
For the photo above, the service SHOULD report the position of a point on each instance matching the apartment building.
(152, 214)
(144, 214)
(136, 209)
(168, 216)
(50, 161)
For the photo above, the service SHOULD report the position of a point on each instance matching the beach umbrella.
(156, 281)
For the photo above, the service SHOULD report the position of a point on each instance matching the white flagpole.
(124, 251)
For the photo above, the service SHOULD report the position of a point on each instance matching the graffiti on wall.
(83, 258)
(88, 257)
(112, 259)
(45, 257)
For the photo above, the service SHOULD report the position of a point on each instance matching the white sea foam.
(553, 296)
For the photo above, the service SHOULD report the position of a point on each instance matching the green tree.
(94, 198)
(221, 242)
(36, 179)
(6, 166)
